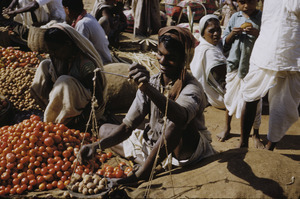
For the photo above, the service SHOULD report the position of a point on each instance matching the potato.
(101, 187)
(96, 181)
(85, 191)
(103, 181)
(91, 191)
(90, 185)
(74, 188)
(87, 178)
(80, 189)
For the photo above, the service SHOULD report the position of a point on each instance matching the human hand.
(139, 73)
(237, 30)
(87, 152)
(8, 12)
(252, 31)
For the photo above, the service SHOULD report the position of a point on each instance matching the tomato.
(44, 171)
(59, 174)
(33, 182)
(54, 183)
(66, 153)
(48, 177)
(10, 157)
(109, 154)
(33, 139)
(12, 191)
(40, 179)
(49, 186)
(24, 180)
(109, 168)
(100, 172)
(60, 184)
(48, 141)
(127, 170)
(42, 186)
(109, 174)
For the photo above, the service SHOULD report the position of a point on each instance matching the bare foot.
(257, 142)
(271, 145)
(224, 135)
(242, 145)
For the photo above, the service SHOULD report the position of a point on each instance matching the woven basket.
(36, 39)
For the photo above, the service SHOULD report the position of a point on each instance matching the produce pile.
(88, 184)
(17, 69)
(39, 155)
(13, 58)
(15, 86)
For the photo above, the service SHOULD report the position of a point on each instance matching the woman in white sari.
(63, 85)
(209, 63)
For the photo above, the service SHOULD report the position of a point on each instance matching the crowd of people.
(257, 53)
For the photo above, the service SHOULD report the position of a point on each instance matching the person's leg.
(247, 119)
(42, 84)
(257, 121)
(271, 145)
(284, 99)
(226, 132)
(67, 99)
(106, 130)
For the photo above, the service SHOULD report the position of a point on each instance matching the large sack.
(36, 39)
(237, 173)
(120, 91)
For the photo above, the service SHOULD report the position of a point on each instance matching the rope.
(156, 157)
(93, 119)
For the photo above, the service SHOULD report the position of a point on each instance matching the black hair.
(206, 24)
(56, 35)
(173, 45)
(74, 5)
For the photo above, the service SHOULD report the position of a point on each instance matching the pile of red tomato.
(120, 171)
(40, 155)
(11, 57)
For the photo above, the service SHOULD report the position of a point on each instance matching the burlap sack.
(120, 92)
(36, 39)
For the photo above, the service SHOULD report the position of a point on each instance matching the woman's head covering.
(204, 19)
(89, 50)
(184, 36)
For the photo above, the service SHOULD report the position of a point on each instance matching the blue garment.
(241, 48)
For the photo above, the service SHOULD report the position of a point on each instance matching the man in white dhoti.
(275, 68)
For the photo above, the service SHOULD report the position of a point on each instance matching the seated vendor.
(174, 100)
(41, 12)
(63, 84)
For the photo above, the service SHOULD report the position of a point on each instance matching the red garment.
(79, 18)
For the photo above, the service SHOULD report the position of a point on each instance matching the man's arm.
(12, 5)
(118, 135)
(29, 7)
(176, 113)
